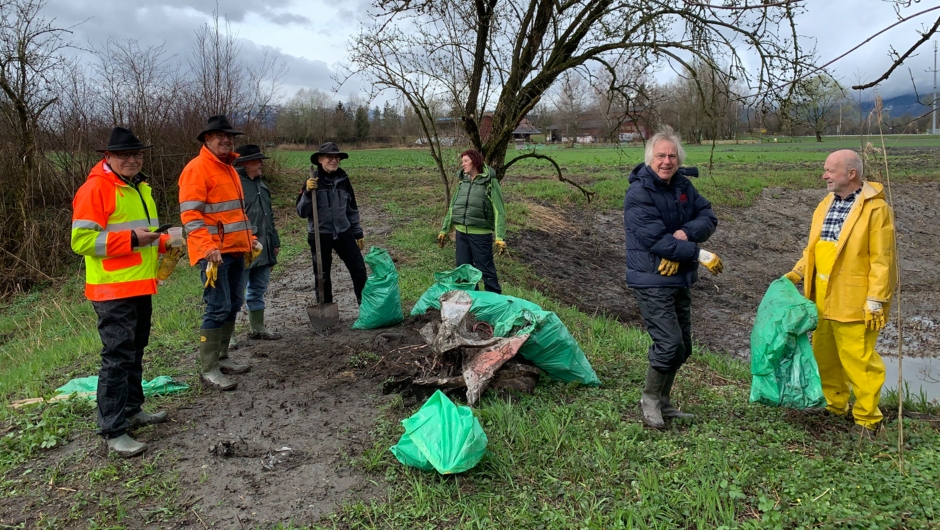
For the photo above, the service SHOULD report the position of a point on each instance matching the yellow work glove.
(793, 277)
(500, 246)
(441, 239)
(361, 243)
(667, 267)
(874, 316)
(311, 184)
(212, 274)
(253, 254)
(711, 261)
(168, 262)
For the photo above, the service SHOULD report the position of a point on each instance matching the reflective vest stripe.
(186, 206)
(101, 244)
(194, 225)
(90, 225)
(220, 207)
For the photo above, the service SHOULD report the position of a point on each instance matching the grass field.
(564, 457)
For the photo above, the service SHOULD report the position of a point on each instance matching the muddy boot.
(666, 408)
(227, 365)
(233, 343)
(649, 403)
(143, 418)
(125, 446)
(258, 331)
(210, 346)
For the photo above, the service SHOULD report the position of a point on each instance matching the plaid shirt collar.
(835, 217)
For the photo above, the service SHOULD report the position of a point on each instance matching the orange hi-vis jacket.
(105, 209)
(212, 207)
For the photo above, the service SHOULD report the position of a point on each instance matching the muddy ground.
(757, 245)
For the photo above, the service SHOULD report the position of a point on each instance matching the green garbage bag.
(442, 437)
(464, 277)
(88, 386)
(784, 370)
(381, 298)
(550, 346)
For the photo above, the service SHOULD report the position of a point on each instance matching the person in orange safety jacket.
(113, 226)
(220, 240)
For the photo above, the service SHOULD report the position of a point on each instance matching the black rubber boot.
(650, 402)
(668, 411)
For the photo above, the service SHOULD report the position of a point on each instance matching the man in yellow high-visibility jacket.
(113, 222)
(849, 269)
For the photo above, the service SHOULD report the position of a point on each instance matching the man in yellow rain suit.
(849, 270)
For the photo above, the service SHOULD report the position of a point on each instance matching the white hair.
(665, 134)
(853, 161)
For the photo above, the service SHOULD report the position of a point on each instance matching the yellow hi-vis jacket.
(865, 266)
(105, 210)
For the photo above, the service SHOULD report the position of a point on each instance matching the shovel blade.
(323, 316)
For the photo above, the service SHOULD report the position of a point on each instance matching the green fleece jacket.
(477, 206)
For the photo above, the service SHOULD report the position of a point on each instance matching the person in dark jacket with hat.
(249, 166)
(665, 219)
(114, 225)
(338, 215)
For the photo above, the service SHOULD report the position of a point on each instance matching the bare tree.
(505, 54)
(815, 103)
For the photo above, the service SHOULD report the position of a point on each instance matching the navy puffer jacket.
(652, 211)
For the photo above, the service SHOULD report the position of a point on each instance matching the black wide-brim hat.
(249, 152)
(123, 140)
(218, 123)
(328, 148)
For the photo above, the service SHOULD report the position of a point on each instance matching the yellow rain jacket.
(864, 266)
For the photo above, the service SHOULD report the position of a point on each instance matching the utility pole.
(934, 130)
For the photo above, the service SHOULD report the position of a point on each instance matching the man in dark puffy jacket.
(665, 218)
(338, 215)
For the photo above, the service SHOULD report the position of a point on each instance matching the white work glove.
(874, 316)
(711, 261)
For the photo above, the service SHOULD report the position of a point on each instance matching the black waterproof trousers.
(477, 250)
(348, 251)
(667, 312)
(124, 328)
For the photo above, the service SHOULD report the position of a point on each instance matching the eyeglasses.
(334, 158)
(661, 157)
(223, 135)
(126, 155)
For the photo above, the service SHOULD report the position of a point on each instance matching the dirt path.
(757, 244)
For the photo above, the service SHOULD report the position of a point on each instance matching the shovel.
(323, 315)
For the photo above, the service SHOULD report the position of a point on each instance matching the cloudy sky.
(310, 36)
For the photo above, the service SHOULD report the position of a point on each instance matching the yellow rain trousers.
(845, 353)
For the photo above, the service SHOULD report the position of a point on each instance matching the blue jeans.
(258, 278)
(225, 299)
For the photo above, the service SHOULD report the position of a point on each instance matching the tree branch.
(588, 194)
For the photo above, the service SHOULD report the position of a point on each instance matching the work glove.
(793, 277)
(312, 183)
(361, 243)
(168, 262)
(212, 274)
(711, 261)
(667, 267)
(441, 239)
(874, 316)
(500, 246)
(253, 254)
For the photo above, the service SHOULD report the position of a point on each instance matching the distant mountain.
(900, 105)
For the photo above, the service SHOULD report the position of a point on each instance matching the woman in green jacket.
(476, 212)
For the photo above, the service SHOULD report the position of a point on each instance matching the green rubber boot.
(650, 401)
(125, 446)
(227, 365)
(258, 331)
(666, 408)
(210, 347)
(143, 418)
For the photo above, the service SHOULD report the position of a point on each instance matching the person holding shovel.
(665, 219)
(849, 268)
(212, 208)
(329, 190)
(114, 223)
(477, 214)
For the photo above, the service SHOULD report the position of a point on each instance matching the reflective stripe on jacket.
(105, 210)
(212, 207)
(865, 265)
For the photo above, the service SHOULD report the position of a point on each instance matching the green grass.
(565, 457)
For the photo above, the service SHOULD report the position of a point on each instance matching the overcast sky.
(311, 35)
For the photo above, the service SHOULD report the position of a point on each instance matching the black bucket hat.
(217, 123)
(249, 152)
(123, 140)
(328, 148)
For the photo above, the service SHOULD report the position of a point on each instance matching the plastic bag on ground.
(784, 370)
(381, 297)
(550, 346)
(442, 437)
(88, 386)
(463, 278)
